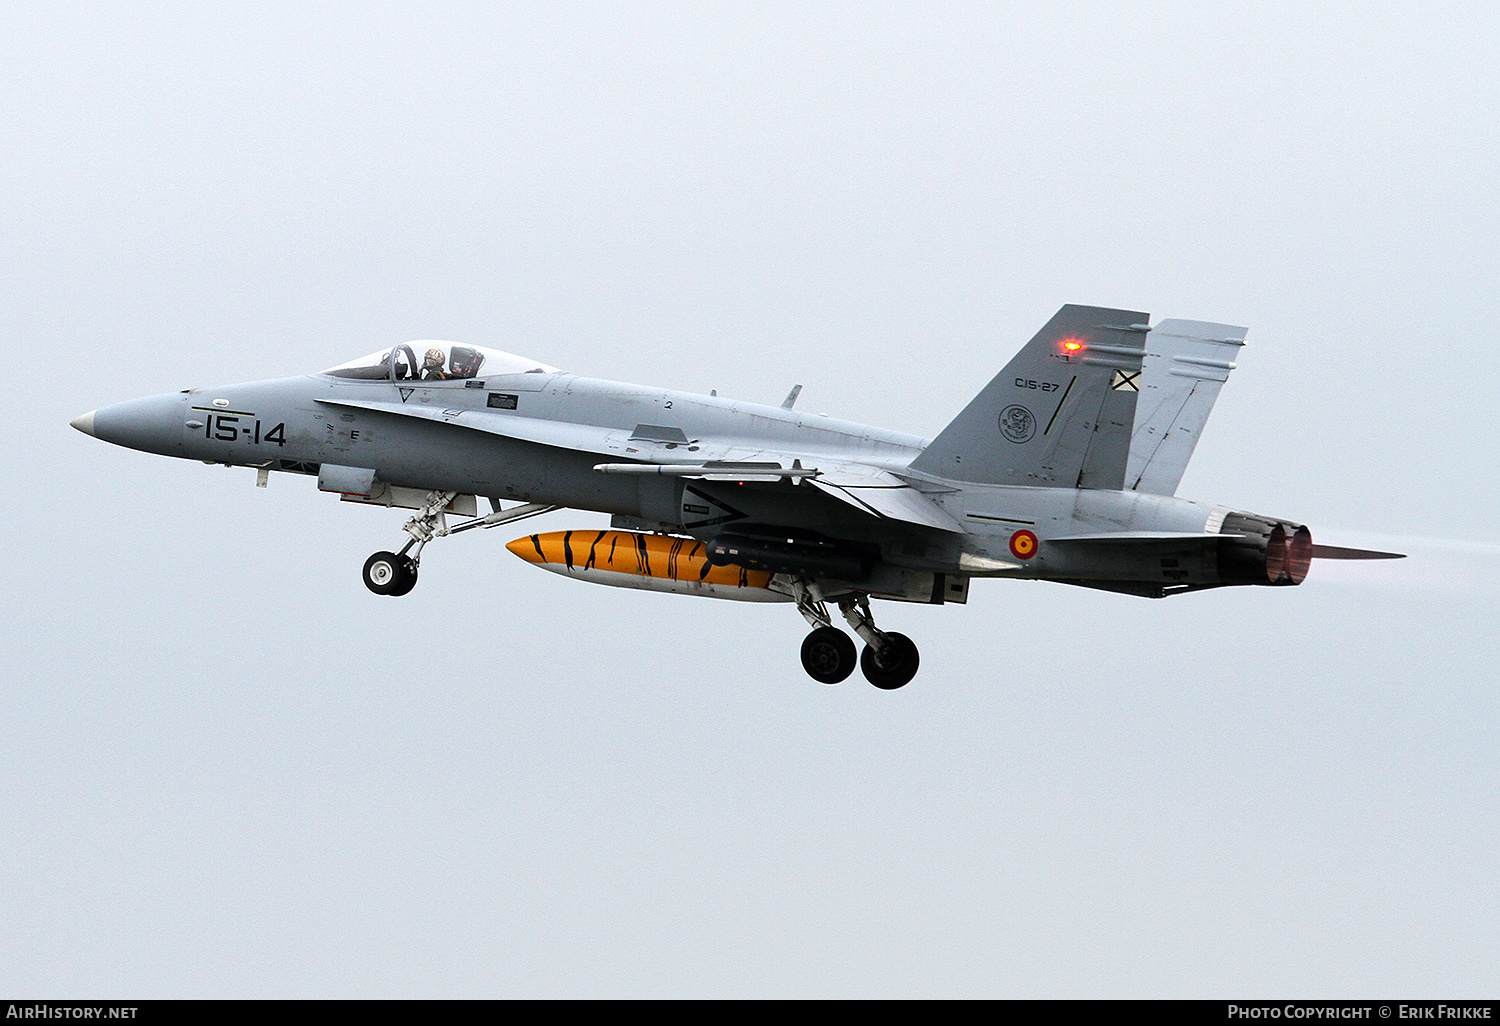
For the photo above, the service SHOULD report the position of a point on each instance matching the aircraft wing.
(591, 438)
(866, 488)
(560, 434)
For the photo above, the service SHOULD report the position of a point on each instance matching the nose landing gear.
(889, 661)
(395, 573)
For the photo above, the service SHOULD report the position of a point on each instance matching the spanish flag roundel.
(1023, 545)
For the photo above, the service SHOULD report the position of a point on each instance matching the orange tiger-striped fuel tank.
(650, 562)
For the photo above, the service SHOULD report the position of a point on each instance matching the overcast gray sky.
(231, 771)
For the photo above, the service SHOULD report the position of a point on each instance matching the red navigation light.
(1072, 345)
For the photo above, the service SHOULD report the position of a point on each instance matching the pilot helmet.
(465, 362)
(434, 358)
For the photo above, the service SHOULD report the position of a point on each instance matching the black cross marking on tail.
(1126, 380)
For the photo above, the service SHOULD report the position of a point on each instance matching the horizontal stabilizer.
(1339, 552)
(882, 494)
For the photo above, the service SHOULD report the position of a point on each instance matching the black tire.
(897, 668)
(406, 577)
(383, 572)
(828, 655)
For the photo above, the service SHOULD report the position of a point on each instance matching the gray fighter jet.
(1063, 468)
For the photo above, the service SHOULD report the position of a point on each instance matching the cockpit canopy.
(429, 360)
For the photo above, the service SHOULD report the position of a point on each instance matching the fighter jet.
(1063, 468)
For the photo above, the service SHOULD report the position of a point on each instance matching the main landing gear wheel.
(897, 666)
(828, 655)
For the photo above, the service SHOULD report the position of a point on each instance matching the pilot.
(432, 366)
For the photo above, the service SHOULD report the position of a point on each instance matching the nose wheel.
(388, 573)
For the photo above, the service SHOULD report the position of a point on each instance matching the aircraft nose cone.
(152, 424)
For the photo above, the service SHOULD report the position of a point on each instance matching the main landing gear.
(889, 661)
(395, 573)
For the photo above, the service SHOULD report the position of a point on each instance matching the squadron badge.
(1017, 424)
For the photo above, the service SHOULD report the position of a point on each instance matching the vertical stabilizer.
(1186, 364)
(1059, 415)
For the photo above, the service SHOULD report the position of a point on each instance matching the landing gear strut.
(395, 573)
(827, 653)
(889, 661)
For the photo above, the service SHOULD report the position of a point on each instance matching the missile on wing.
(649, 562)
